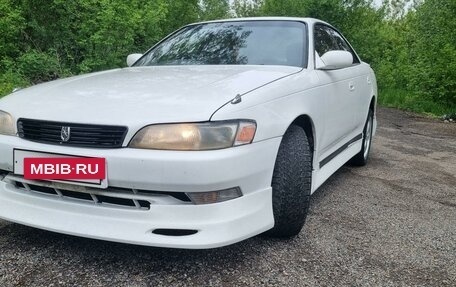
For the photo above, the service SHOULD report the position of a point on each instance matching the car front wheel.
(291, 183)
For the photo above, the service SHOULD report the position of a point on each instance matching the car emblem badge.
(65, 134)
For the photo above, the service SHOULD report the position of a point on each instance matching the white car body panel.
(137, 97)
(229, 222)
(336, 102)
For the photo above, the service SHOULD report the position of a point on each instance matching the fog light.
(214, 196)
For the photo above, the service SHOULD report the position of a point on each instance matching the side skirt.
(336, 160)
(340, 150)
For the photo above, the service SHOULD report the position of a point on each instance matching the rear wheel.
(291, 183)
(362, 157)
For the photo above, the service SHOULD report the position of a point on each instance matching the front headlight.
(6, 124)
(195, 136)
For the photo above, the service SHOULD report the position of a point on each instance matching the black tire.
(291, 183)
(362, 157)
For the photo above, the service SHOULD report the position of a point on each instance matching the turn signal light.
(246, 133)
(214, 196)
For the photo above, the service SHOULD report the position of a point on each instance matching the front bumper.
(249, 167)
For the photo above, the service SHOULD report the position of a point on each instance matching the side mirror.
(132, 58)
(333, 60)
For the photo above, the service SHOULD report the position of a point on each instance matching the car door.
(339, 88)
(360, 82)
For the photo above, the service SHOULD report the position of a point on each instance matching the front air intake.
(175, 232)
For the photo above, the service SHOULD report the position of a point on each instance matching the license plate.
(59, 167)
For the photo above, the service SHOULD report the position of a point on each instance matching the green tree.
(214, 9)
(291, 8)
(434, 59)
(247, 8)
(11, 24)
(411, 47)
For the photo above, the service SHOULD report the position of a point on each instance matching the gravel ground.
(392, 223)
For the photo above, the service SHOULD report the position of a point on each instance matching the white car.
(220, 132)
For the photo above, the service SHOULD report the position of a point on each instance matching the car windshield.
(233, 43)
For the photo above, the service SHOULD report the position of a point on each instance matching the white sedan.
(219, 132)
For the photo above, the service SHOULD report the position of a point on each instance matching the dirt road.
(392, 223)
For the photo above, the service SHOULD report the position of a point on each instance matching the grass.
(410, 101)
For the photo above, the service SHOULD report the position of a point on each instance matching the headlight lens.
(195, 136)
(6, 124)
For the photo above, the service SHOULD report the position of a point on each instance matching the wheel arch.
(306, 123)
(373, 104)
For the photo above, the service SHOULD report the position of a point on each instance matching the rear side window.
(328, 39)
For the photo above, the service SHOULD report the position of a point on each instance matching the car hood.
(140, 96)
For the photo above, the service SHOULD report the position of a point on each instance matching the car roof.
(306, 20)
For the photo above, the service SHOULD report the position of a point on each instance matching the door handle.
(351, 86)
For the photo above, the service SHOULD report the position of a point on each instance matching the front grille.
(80, 135)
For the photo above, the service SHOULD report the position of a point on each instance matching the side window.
(328, 39)
(323, 41)
(342, 44)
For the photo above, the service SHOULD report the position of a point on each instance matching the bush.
(9, 81)
(435, 51)
(39, 67)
